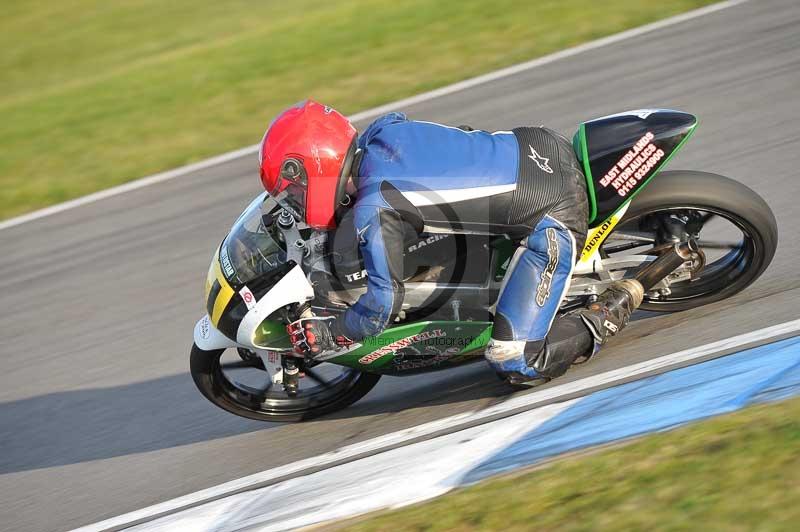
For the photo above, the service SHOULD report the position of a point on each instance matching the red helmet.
(306, 157)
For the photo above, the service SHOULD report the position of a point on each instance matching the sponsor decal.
(205, 328)
(422, 243)
(273, 358)
(634, 165)
(225, 261)
(351, 277)
(416, 359)
(248, 298)
(327, 110)
(357, 276)
(597, 237)
(400, 344)
(542, 162)
(610, 326)
(546, 282)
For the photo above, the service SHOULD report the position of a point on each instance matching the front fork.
(292, 366)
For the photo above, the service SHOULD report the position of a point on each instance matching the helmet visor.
(290, 188)
(292, 197)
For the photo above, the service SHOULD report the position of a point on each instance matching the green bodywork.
(271, 334)
(402, 350)
(580, 147)
(418, 347)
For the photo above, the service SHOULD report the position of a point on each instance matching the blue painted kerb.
(765, 373)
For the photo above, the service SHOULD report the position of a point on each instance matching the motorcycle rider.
(524, 182)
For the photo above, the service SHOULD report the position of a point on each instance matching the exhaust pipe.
(665, 264)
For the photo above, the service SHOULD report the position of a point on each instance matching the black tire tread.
(705, 189)
(203, 363)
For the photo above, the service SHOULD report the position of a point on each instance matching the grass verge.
(98, 93)
(736, 472)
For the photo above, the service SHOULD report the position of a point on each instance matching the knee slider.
(499, 352)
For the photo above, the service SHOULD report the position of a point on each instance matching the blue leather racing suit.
(525, 183)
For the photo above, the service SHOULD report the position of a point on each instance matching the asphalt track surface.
(98, 414)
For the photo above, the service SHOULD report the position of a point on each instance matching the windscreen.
(252, 249)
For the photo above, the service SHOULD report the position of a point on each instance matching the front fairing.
(251, 278)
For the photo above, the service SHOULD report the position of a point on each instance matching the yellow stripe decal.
(596, 236)
(225, 293)
(211, 277)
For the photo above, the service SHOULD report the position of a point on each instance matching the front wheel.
(732, 225)
(245, 386)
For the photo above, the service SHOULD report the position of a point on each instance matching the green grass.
(96, 93)
(736, 472)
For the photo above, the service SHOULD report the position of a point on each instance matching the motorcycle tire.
(210, 379)
(723, 197)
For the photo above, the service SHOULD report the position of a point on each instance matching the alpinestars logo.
(546, 282)
(541, 162)
(360, 234)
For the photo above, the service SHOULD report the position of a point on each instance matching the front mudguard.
(208, 338)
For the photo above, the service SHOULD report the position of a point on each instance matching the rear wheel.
(243, 385)
(732, 225)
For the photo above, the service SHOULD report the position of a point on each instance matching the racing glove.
(315, 335)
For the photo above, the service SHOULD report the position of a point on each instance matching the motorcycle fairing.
(292, 288)
(417, 347)
(620, 154)
(251, 276)
(218, 291)
(245, 323)
(208, 338)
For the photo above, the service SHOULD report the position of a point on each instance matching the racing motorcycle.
(691, 238)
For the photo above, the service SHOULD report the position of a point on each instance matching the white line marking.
(127, 187)
(392, 479)
(392, 440)
(374, 112)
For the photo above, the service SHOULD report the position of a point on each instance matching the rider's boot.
(522, 362)
(610, 313)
